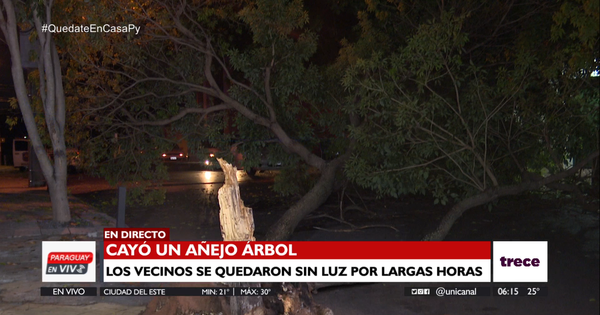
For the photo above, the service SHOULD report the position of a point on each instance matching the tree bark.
(52, 95)
(60, 200)
(285, 226)
(492, 194)
(237, 224)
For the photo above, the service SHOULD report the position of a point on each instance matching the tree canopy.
(458, 99)
(209, 72)
(461, 112)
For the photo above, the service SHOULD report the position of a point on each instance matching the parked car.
(176, 154)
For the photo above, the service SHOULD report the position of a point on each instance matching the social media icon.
(413, 291)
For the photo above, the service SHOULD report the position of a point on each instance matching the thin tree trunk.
(492, 194)
(52, 95)
(59, 198)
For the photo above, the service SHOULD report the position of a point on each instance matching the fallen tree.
(449, 115)
(186, 74)
(495, 193)
(237, 224)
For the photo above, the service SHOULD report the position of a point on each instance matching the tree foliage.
(212, 73)
(449, 98)
(456, 111)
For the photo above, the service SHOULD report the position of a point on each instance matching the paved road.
(181, 174)
(191, 206)
(211, 180)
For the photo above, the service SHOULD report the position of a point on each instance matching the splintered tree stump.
(237, 224)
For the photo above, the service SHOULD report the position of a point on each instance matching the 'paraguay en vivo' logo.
(68, 262)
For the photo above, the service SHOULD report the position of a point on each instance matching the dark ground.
(570, 228)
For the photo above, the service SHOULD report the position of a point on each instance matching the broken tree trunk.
(237, 224)
(492, 194)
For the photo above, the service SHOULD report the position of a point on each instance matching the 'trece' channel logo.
(520, 261)
(68, 261)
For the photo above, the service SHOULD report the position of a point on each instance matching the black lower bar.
(69, 291)
(182, 291)
(442, 291)
(520, 291)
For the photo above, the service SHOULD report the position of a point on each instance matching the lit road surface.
(180, 178)
(210, 181)
(191, 208)
(202, 177)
